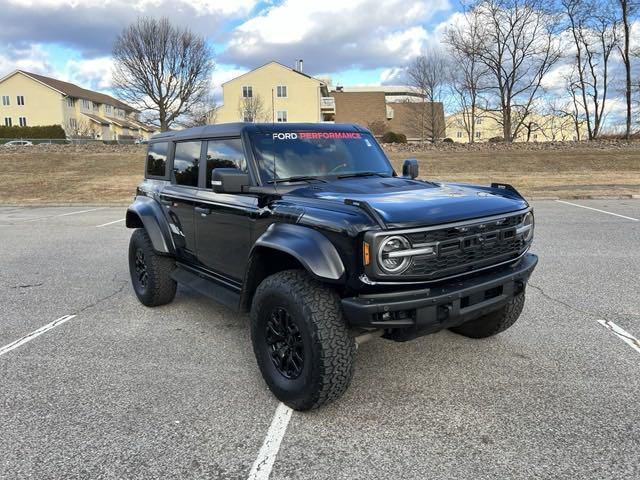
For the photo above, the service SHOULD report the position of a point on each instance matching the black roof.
(235, 129)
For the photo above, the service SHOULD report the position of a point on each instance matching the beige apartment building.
(537, 128)
(275, 93)
(29, 99)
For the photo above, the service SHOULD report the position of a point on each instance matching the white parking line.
(62, 214)
(626, 337)
(263, 465)
(598, 210)
(110, 223)
(34, 334)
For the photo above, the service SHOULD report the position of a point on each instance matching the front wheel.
(495, 322)
(300, 340)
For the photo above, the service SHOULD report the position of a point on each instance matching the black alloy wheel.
(150, 273)
(284, 342)
(142, 274)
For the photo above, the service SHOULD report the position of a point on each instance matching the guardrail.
(68, 141)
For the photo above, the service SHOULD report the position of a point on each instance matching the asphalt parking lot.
(119, 390)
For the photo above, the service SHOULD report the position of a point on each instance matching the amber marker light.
(365, 253)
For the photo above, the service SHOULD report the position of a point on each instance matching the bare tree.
(252, 109)
(161, 69)
(468, 78)
(203, 113)
(519, 46)
(627, 8)
(82, 129)
(428, 75)
(378, 127)
(593, 28)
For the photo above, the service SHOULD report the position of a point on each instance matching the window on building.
(7, 121)
(185, 163)
(96, 106)
(459, 134)
(478, 121)
(247, 116)
(86, 104)
(535, 137)
(20, 99)
(73, 123)
(478, 134)
(107, 109)
(5, 100)
(22, 121)
(71, 102)
(247, 92)
(157, 159)
(282, 116)
(225, 153)
(281, 91)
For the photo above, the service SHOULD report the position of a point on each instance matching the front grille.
(464, 248)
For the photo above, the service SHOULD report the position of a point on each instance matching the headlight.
(389, 263)
(526, 227)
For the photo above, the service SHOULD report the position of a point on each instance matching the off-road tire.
(160, 288)
(329, 349)
(495, 322)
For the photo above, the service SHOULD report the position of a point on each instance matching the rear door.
(180, 195)
(223, 221)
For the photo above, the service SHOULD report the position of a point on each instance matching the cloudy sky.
(355, 43)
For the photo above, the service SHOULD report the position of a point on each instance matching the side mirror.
(410, 168)
(228, 180)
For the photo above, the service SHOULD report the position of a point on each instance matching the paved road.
(122, 391)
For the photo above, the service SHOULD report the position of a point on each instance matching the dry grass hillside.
(109, 174)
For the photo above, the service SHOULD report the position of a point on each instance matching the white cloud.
(32, 58)
(94, 73)
(221, 74)
(91, 26)
(334, 35)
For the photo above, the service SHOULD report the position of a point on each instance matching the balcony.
(328, 104)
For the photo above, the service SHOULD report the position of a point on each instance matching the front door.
(223, 221)
(179, 198)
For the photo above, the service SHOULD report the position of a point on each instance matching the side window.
(185, 163)
(156, 159)
(224, 153)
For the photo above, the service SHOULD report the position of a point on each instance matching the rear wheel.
(495, 322)
(301, 342)
(150, 272)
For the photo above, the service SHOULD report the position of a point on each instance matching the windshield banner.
(314, 135)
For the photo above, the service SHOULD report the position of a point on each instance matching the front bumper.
(409, 314)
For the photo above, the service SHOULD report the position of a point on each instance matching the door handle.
(202, 211)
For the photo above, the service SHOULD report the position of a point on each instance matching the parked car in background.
(18, 143)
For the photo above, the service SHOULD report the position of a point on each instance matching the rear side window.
(224, 153)
(157, 159)
(185, 163)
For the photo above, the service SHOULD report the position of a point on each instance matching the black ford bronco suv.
(309, 228)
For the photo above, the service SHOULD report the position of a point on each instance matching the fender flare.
(145, 212)
(311, 248)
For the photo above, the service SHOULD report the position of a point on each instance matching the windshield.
(317, 155)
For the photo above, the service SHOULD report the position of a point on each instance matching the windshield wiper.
(363, 174)
(301, 178)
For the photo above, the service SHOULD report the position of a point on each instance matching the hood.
(406, 203)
